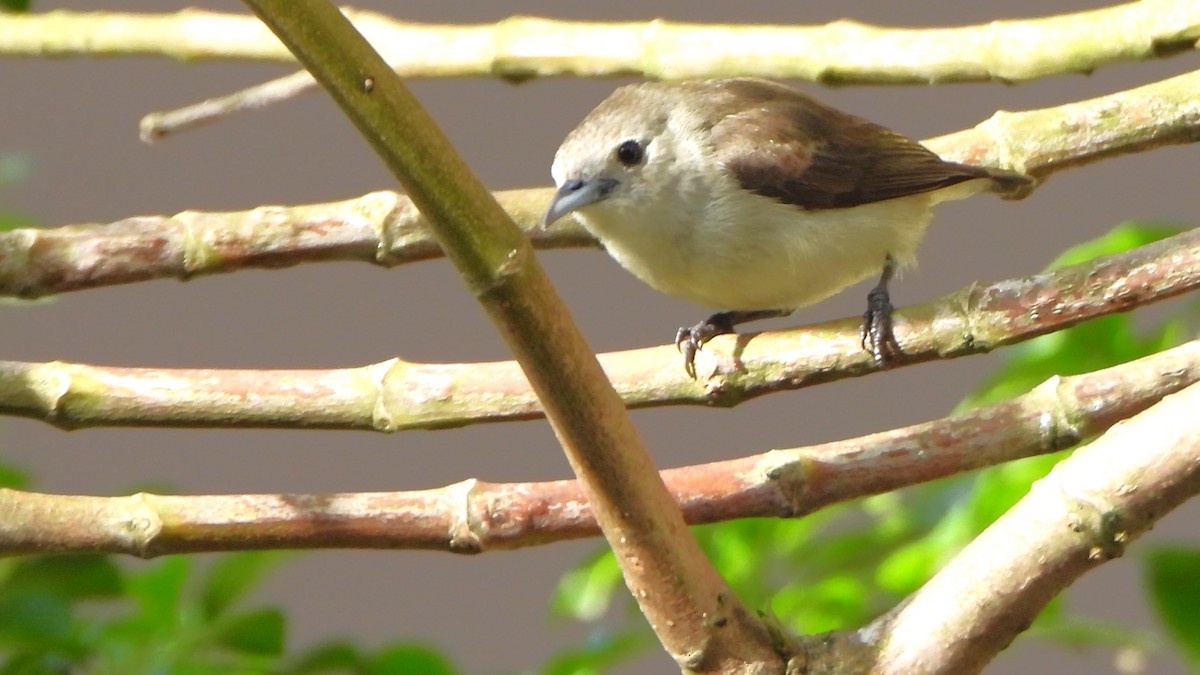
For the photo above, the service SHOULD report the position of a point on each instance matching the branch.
(383, 228)
(156, 125)
(386, 229)
(476, 517)
(1083, 514)
(695, 615)
(399, 395)
(519, 48)
(831, 54)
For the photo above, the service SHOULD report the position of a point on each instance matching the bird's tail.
(1010, 184)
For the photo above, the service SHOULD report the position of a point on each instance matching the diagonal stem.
(690, 607)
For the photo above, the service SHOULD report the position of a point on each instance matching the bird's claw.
(689, 341)
(876, 334)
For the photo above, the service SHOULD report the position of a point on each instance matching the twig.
(519, 48)
(156, 125)
(386, 229)
(476, 517)
(398, 395)
(1085, 513)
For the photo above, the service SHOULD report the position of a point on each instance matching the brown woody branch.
(1085, 513)
(398, 395)
(385, 229)
(474, 516)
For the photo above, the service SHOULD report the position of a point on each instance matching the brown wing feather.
(780, 143)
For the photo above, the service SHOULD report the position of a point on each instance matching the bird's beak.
(575, 194)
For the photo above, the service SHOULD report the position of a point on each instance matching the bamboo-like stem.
(386, 229)
(522, 47)
(399, 395)
(1085, 513)
(690, 607)
(476, 517)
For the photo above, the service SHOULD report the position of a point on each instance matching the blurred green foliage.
(1173, 579)
(14, 168)
(86, 613)
(15, 5)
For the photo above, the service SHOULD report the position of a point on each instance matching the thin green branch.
(475, 516)
(398, 395)
(691, 609)
(521, 47)
(386, 229)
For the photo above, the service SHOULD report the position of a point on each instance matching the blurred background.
(69, 127)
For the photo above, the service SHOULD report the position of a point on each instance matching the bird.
(753, 198)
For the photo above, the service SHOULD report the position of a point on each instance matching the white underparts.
(745, 251)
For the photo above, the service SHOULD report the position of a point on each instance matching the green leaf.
(39, 663)
(1001, 487)
(1125, 236)
(234, 575)
(408, 659)
(11, 221)
(158, 590)
(600, 652)
(1173, 578)
(584, 593)
(335, 657)
(909, 566)
(15, 5)
(1080, 632)
(837, 601)
(10, 476)
(69, 577)
(259, 632)
(33, 617)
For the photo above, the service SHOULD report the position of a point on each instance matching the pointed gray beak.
(575, 194)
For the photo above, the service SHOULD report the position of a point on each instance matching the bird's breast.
(732, 249)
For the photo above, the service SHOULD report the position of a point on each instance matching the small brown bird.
(750, 197)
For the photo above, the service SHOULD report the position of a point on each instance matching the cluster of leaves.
(845, 565)
(66, 614)
(88, 614)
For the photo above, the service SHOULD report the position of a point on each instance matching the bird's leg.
(876, 332)
(691, 340)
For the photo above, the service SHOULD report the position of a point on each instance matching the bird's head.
(615, 159)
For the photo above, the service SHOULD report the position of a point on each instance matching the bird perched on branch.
(753, 198)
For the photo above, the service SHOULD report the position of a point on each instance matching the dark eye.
(631, 152)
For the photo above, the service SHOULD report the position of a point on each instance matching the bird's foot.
(876, 333)
(691, 340)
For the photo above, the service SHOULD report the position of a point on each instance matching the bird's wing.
(780, 143)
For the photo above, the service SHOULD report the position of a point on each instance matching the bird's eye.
(631, 152)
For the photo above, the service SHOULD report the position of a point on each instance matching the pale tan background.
(76, 119)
